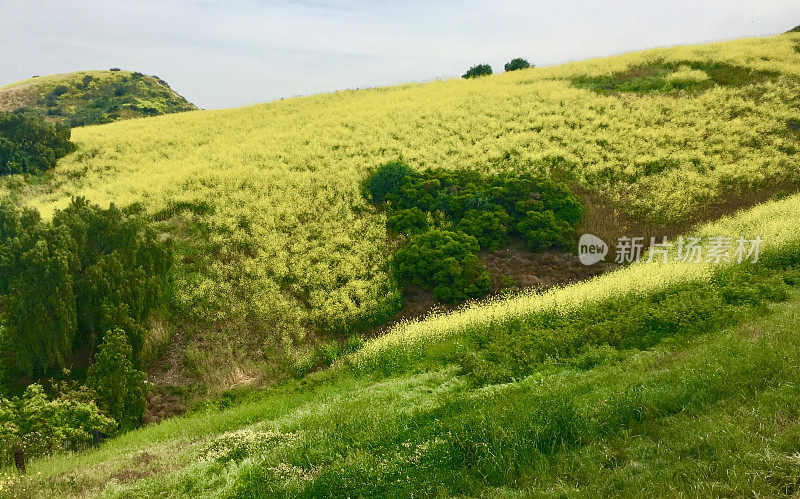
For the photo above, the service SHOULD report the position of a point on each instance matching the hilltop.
(93, 97)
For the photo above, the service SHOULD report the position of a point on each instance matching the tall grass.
(602, 429)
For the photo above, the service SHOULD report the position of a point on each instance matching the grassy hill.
(695, 392)
(279, 247)
(93, 97)
(281, 259)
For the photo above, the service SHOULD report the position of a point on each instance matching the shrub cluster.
(35, 425)
(449, 215)
(518, 63)
(662, 77)
(29, 144)
(479, 70)
(64, 283)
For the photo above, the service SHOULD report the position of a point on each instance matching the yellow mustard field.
(291, 246)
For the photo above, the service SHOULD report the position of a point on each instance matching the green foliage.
(479, 70)
(661, 77)
(40, 426)
(119, 386)
(40, 313)
(447, 263)
(542, 230)
(490, 209)
(28, 144)
(66, 282)
(516, 64)
(407, 221)
(387, 178)
(489, 227)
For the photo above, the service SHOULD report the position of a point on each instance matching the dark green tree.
(518, 63)
(479, 70)
(120, 387)
(40, 314)
(64, 283)
(29, 144)
(389, 177)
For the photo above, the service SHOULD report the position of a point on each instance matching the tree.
(119, 386)
(41, 308)
(34, 425)
(518, 63)
(66, 282)
(386, 179)
(479, 70)
(29, 144)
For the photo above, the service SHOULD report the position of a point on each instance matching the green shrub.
(490, 227)
(518, 63)
(59, 90)
(119, 386)
(39, 426)
(408, 221)
(491, 209)
(445, 262)
(542, 231)
(479, 70)
(28, 144)
(387, 178)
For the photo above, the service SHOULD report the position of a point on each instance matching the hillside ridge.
(93, 97)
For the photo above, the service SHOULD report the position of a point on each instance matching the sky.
(226, 53)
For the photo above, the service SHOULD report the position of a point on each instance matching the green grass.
(713, 408)
(655, 78)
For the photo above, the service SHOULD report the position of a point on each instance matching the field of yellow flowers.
(271, 193)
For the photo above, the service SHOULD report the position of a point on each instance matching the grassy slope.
(109, 96)
(278, 245)
(702, 414)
